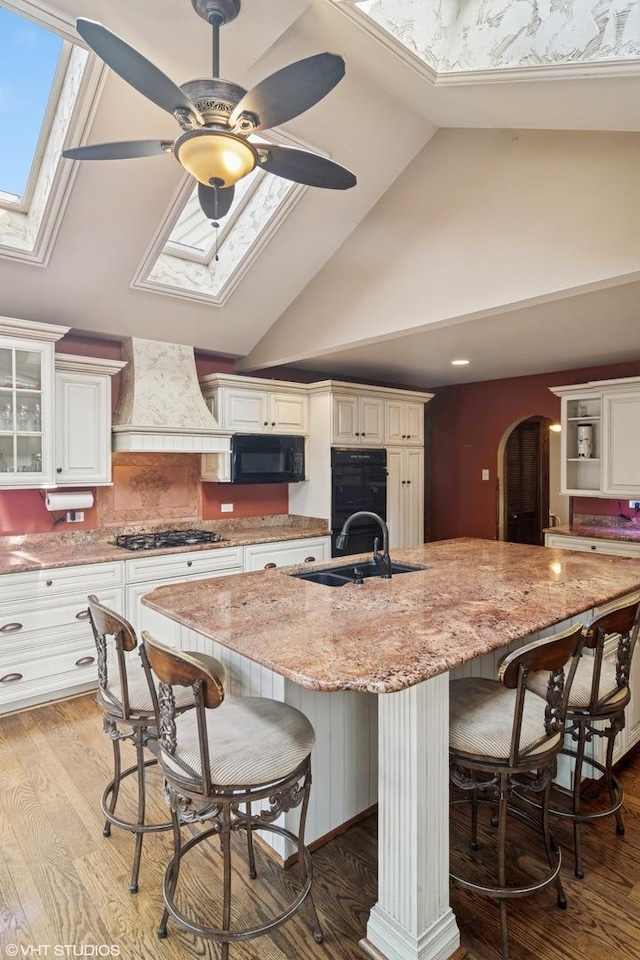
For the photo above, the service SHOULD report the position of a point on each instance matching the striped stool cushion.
(251, 741)
(580, 692)
(481, 719)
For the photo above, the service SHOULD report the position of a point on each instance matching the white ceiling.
(376, 121)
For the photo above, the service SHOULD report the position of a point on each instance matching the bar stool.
(503, 736)
(596, 706)
(127, 714)
(220, 760)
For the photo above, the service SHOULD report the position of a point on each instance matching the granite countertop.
(66, 549)
(629, 532)
(473, 596)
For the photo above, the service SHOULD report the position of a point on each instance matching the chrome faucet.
(381, 560)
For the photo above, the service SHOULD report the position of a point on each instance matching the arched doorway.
(524, 487)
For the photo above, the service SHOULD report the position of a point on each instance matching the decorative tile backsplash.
(151, 487)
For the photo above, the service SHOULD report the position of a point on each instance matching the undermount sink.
(351, 573)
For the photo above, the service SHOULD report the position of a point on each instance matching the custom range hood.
(161, 408)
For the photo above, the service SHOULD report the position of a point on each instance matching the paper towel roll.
(69, 500)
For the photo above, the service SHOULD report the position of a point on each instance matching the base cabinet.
(47, 648)
(628, 737)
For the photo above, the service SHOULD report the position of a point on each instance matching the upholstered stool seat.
(595, 712)
(232, 764)
(127, 715)
(501, 736)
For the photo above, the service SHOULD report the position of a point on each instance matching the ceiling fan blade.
(124, 150)
(143, 76)
(291, 91)
(215, 201)
(304, 167)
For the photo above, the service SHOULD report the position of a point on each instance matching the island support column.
(412, 919)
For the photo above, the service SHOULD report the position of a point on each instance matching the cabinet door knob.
(403, 482)
(11, 627)
(270, 566)
(404, 436)
(309, 559)
(58, 469)
(356, 434)
(363, 434)
(10, 677)
(82, 615)
(49, 583)
(265, 423)
(408, 481)
(593, 546)
(85, 661)
(189, 563)
(273, 423)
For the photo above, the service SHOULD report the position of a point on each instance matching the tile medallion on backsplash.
(151, 487)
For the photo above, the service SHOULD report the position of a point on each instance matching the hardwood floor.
(62, 882)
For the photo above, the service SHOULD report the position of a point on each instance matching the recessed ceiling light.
(459, 363)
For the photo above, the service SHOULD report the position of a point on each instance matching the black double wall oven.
(358, 482)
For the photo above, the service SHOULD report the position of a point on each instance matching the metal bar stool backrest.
(625, 622)
(180, 669)
(106, 624)
(548, 655)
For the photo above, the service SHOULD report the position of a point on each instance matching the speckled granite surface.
(473, 597)
(69, 548)
(629, 531)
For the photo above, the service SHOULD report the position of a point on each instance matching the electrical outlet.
(226, 508)
(485, 474)
(635, 505)
(75, 516)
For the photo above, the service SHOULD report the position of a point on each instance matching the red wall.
(467, 423)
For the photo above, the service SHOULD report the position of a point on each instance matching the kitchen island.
(397, 639)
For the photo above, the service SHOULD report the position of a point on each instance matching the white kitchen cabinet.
(357, 420)
(47, 648)
(83, 419)
(144, 574)
(405, 496)
(403, 423)
(621, 449)
(26, 402)
(620, 548)
(264, 556)
(257, 405)
(628, 737)
(610, 409)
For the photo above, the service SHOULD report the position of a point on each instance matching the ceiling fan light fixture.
(213, 156)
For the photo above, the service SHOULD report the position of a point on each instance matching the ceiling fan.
(217, 116)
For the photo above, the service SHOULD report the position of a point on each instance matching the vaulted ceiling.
(495, 215)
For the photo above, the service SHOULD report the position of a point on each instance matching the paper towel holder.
(68, 503)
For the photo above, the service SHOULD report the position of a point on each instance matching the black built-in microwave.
(266, 458)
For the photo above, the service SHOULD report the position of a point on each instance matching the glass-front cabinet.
(26, 403)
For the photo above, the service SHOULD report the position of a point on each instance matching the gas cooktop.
(166, 538)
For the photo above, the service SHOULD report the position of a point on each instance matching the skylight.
(30, 61)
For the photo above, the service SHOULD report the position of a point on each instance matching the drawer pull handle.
(82, 615)
(593, 546)
(11, 627)
(85, 661)
(270, 566)
(10, 677)
(309, 559)
(189, 563)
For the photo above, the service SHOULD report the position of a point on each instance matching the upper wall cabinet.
(601, 438)
(404, 422)
(26, 402)
(256, 405)
(83, 419)
(357, 419)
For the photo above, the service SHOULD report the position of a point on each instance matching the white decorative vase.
(585, 441)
